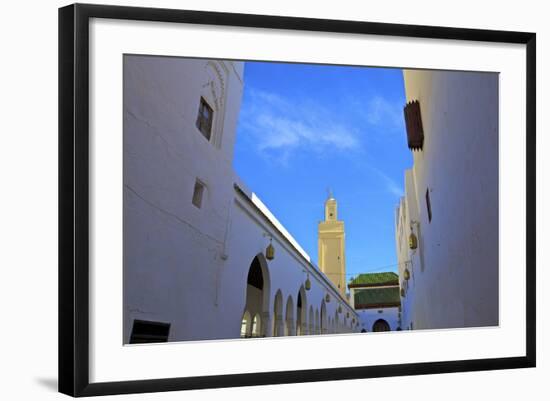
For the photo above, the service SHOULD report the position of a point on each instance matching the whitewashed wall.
(454, 272)
(367, 317)
(184, 265)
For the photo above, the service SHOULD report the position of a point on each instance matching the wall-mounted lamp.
(270, 250)
(413, 241)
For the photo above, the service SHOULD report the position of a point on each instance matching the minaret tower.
(332, 255)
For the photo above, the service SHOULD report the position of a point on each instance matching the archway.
(324, 318)
(301, 312)
(317, 325)
(256, 324)
(257, 296)
(311, 321)
(380, 325)
(246, 325)
(278, 318)
(289, 317)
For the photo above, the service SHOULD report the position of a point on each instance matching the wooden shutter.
(413, 122)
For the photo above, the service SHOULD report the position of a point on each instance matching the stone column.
(291, 327)
(266, 329)
(279, 325)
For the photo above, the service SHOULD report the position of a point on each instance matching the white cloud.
(380, 111)
(278, 125)
(390, 184)
(393, 187)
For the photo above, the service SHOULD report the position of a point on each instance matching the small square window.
(428, 205)
(198, 193)
(205, 118)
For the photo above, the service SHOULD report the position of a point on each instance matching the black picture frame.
(74, 198)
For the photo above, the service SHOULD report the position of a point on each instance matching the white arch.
(301, 312)
(311, 321)
(256, 324)
(289, 317)
(267, 281)
(317, 326)
(278, 316)
(257, 296)
(245, 325)
(324, 318)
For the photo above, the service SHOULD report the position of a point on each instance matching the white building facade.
(376, 298)
(379, 319)
(203, 256)
(447, 223)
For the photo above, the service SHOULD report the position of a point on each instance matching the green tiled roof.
(373, 297)
(369, 279)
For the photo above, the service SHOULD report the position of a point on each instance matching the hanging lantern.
(413, 241)
(308, 283)
(339, 308)
(270, 252)
(407, 274)
(347, 314)
(327, 298)
(402, 292)
(353, 320)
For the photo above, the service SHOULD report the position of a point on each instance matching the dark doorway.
(380, 325)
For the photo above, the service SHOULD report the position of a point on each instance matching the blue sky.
(305, 128)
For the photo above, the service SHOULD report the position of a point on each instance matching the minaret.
(332, 255)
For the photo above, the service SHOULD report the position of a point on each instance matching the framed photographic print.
(251, 199)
